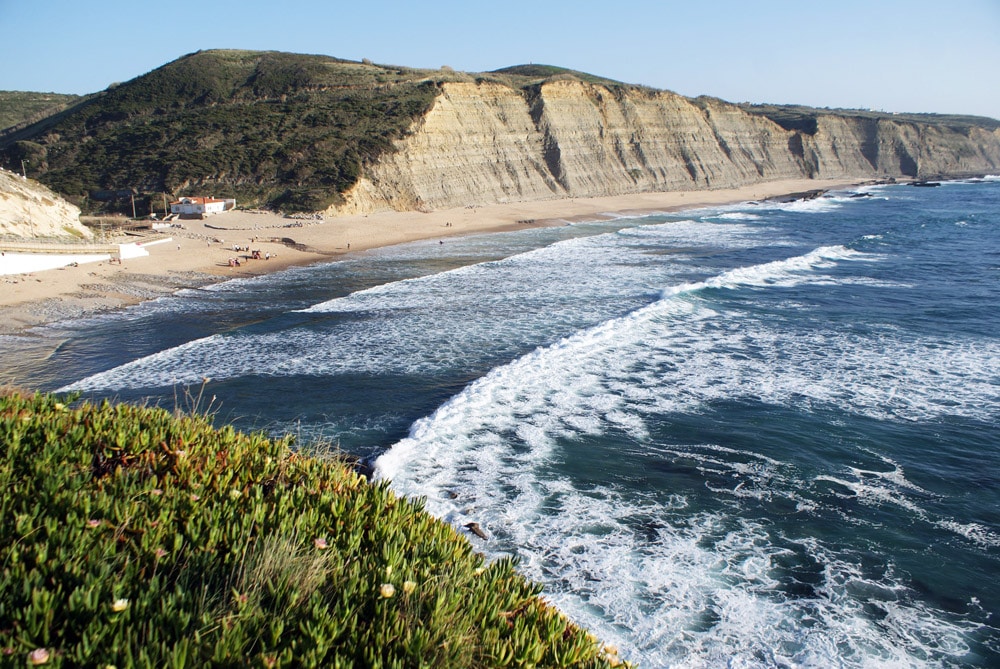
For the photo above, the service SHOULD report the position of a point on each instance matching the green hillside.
(18, 107)
(267, 128)
(131, 537)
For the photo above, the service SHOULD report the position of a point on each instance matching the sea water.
(757, 435)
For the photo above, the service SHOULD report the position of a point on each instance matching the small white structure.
(201, 206)
(39, 258)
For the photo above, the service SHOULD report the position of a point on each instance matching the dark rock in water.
(795, 197)
(475, 529)
(925, 184)
(856, 195)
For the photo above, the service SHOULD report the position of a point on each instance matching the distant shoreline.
(200, 252)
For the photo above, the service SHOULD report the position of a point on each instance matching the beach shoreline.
(199, 253)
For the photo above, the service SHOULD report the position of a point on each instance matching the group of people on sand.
(253, 255)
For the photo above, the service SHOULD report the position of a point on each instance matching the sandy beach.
(199, 253)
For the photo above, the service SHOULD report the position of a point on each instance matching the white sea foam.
(699, 591)
(738, 216)
(426, 322)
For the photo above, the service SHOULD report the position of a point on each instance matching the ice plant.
(259, 577)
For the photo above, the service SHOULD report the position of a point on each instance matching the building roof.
(197, 200)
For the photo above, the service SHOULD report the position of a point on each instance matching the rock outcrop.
(28, 209)
(484, 143)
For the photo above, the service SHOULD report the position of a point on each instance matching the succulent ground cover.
(130, 536)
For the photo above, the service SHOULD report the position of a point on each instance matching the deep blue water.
(758, 435)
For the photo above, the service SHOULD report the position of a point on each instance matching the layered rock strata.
(484, 143)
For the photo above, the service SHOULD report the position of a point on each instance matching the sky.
(890, 55)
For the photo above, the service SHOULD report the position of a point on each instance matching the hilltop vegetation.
(132, 537)
(802, 118)
(18, 107)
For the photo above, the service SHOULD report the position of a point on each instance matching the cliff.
(488, 142)
(29, 209)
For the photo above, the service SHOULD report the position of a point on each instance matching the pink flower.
(159, 552)
(38, 656)
(321, 544)
(93, 522)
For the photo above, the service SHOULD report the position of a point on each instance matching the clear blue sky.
(895, 55)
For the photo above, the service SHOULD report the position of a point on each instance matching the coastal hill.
(315, 133)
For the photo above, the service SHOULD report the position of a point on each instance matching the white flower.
(119, 605)
(409, 587)
(387, 590)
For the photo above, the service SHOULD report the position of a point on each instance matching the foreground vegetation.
(133, 537)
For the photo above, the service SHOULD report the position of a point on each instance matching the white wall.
(22, 263)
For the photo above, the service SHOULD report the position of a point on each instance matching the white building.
(201, 206)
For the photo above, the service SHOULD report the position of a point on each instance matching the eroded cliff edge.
(484, 142)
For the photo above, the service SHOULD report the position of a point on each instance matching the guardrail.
(60, 249)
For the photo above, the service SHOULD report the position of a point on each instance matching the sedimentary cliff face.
(29, 209)
(486, 143)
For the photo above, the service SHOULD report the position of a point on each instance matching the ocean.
(758, 435)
